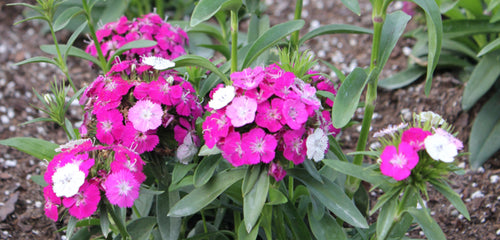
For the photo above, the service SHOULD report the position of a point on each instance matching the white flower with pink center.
(145, 115)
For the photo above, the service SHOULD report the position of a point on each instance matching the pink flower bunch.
(267, 110)
(133, 105)
(171, 40)
(79, 173)
(398, 160)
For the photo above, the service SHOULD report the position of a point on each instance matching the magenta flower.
(241, 111)
(294, 146)
(398, 163)
(295, 113)
(129, 161)
(165, 93)
(269, 115)
(145, 115)
(139, 141)
(216, 126)
(248, 78)
(276, 171)
(232, 150)
(51, 203)
(85, 202)
(258, 146)
(283, 86)
(122, 188)
(114, 88)
(109, 126)
(415, 137)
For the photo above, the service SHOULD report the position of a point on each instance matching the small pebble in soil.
(454, 213)
(10, 163)
(38, 204)
(406, 51)
(494, 179)
(498, 232)
(477, 194)
(5, 120)
(480, 170)
(12, 128)
(474, 184)
(461, 165)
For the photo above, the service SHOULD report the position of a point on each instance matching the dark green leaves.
(333, 29)
(38, 148)
(205, 9)
(193, 60)
(254, 200)
(429, 225)
(482, 78)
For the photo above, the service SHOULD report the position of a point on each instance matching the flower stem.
(234, 41)
(297, 16)
(88, 16)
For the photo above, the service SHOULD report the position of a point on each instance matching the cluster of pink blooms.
(134, 104)
(81, 171)
(265, 111)
(171, 40)
(398, 161)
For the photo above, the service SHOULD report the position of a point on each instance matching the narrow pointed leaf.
(74, 36)
(104, 220)
(386, 218)
(481, 79)
(469, 27)
(435, 36)
(394, 25)
(180, 171)
(492, 46)
(254, 201)
(334, 29)
(206, 169)
(251, 176)
(65, 17)
(360, 172)
(333, 197)
(37, 59)
(353, 5)
(205, 9)
(169, 227)
(35, 147)
(348, 96)
(276, 197)
(429, 225)
(38, 179)
(402, 78)
(452, 196)
(326, 228)
(204, 195)
(485, 134)
(141, 228)
(72, 51)
(270, 38)
(250, 235)
(132, 45)
(193, 60)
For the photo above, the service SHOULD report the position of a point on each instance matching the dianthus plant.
(269, 116)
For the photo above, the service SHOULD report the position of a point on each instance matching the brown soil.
(21, 200)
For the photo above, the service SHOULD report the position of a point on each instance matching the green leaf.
(332, 196)
(74, 36)
(132, 45)
(254, 200)
(481, 79)
(386, 218)
(204, 195)
(492, 46)
(402, 78)
(169, 227)
(113, 10)
(72, 51)
(435, 36)
(38, 59)
(311, 169)
(180, 171)
(394, 25)
(468, 27)
(348, 96)
(205, 9)
(295, 223)
(38, 179)
(353, 5)
(429, 225)
(71, 226)
(485, 133)
(193, 60)
(250, 235)
(382, 200)
(141, 228)
(104, 220)
(365, 174)
(270, 38)
(334, 29)
(35, 147)
(276, 197)
(326, 228)
(206, 28)
(206, 169)
(451, 195)
(65, 17)
(251, 176)
(340, 75)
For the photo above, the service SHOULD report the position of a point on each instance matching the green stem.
(298, 15)
(160, 8)
(88, 16)
(290, 183)
(118, 222)
(378, 17)
(234, 41)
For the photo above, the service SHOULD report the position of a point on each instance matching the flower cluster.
(428, 139)
(81, 171)
(268, 110)
(171, 40)
(134, 104)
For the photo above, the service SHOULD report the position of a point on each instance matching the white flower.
(441, 148)
(67, 180)
(158, 63)
(222, 97)
(433, 117)
(316, 144)
(187, 150)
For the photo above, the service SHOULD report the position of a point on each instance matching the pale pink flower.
(145, 115)
(122, 188)
(258, 146)
(294, 113)
(269, 115)
(458, 144)
(415, 137)
(241, 111)
(398, 163)
(129, 161)
(85, 202)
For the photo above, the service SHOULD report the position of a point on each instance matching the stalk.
(297, 16)
(103, 61)
(234, 41)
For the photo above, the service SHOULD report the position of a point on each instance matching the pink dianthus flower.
(398, 163)
(258, 146)
(85, 202)
(145, 115)
(241, 111)
(122, 188)
(415, 137)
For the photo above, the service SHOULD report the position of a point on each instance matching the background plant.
(470, 44)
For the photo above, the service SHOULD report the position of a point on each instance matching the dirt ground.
(21, 200)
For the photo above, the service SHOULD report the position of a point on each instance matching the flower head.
(122, 188)
(158, 63)
(441, 148)
(317, 144)
(67, 180)
(398, 163)
(222, 97)
(145, 115)
(241, 111)
(258, 146)
(85, 202)
(415, 137)
(277, 171)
